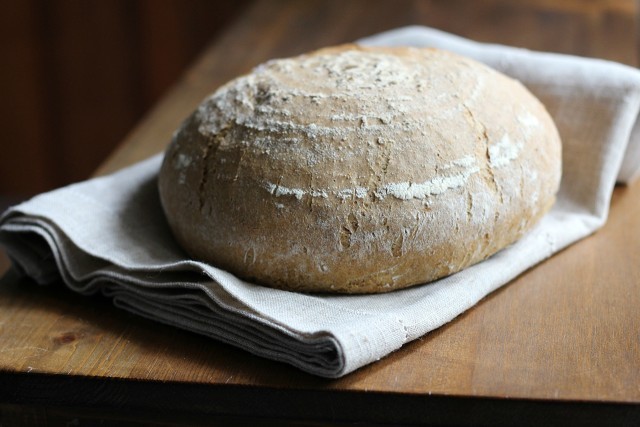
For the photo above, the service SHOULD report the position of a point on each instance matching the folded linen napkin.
(109, 234)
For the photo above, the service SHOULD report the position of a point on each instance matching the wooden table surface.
(559, 344)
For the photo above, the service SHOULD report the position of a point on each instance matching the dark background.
(76, 75)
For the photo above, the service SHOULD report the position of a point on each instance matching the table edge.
(142, 398)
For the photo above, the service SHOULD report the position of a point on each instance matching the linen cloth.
(109, 234)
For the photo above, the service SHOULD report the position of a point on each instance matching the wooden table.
(559, 344)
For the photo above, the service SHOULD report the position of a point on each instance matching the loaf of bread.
(359, 170)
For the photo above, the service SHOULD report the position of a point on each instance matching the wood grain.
(561, 340)
(77, 76)
(23, 112)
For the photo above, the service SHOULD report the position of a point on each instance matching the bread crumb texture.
(359, 170)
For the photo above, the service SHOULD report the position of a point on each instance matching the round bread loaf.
(355, 169)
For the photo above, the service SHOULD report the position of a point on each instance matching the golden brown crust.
(354, 169)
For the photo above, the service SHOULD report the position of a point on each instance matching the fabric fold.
(109, 234)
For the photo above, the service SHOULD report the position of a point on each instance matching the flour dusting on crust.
(355, 169)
